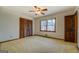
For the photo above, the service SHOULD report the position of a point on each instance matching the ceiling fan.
(39, 10)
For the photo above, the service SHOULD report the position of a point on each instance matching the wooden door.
(29, 28)
(76, 25)
(25, 27)
(69, 28)
(22, 27)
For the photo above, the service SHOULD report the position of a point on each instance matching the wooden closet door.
(69, 28)
(76, 25)
(25, 27)
(29, 28)
(22, 28)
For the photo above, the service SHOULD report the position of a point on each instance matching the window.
(48, 25)
(43, 25)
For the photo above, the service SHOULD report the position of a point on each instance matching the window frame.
(47, 24)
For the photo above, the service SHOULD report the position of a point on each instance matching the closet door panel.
(70, 28)
(25, 27)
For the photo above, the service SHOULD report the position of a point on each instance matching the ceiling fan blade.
(44, 9)
(43, 13)
(36, 14)
(35, 7)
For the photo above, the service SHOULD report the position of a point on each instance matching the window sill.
(46, 31)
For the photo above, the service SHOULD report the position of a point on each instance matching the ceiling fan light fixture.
(39, 10)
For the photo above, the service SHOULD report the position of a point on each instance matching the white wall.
(59, 24)
(9, 24)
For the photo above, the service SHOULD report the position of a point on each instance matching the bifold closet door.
(22, 27)
(25, 27)
(70, 28)
(29, 28)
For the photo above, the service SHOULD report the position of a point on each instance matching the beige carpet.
(37, 44)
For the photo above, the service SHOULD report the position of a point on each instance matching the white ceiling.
(24, 10)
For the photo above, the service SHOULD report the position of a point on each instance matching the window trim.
(46, 26)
